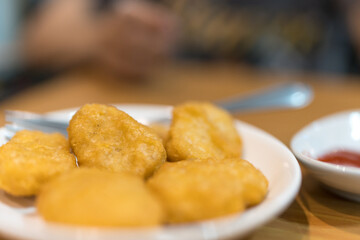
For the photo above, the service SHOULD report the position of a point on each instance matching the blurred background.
(130, 39)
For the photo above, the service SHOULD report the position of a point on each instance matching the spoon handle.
(288, 95)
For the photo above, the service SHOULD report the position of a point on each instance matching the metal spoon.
(288, 95)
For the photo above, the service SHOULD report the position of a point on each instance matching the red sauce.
(342, 157)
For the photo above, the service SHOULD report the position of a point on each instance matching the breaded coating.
(193, 190)
(32, 158)
(93, 197)
(161, 130)
(201, 131)
(104, 137)
(254, 182)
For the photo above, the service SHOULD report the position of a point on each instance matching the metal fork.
(288, 95)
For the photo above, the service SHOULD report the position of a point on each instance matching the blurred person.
(130, 37)
(126, 37)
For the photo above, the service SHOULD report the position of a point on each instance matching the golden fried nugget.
(93, 197)
(193, 190)
(201, 131)
(161, 130)
(254, 182)
(104, 137)
(30, 159)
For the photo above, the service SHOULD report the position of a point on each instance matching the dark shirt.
(308, 35)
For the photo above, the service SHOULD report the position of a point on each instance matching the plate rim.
(323, 166)
(281, 204)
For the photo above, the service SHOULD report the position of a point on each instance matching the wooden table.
(315, 214)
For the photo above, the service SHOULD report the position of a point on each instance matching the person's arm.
(128, 39)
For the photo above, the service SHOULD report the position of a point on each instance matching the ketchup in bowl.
(342, 157)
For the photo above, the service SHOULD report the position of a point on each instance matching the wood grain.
(316, 214)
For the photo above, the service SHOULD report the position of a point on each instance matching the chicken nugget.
(161, 130)
(201, 131)
(254, 182)
(193, 190)
(93, 197)
(104, 137)
(30, 159)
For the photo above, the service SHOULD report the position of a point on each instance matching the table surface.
(315, 214)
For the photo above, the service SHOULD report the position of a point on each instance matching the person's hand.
(129, 39)
(136, 37)
(60, 33)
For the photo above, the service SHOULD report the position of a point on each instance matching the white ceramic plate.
(18, 217)
(339, 131)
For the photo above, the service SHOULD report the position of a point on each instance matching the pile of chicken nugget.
(114, 171)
